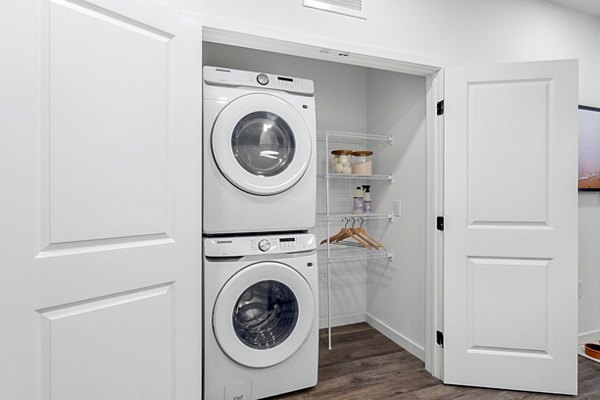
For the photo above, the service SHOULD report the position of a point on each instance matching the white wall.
(458, 32)
(589, 258)
(396, 290)
(589, 271)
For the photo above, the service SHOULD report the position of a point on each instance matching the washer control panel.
(256, 245)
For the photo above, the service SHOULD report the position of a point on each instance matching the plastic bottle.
(367, 203)
(358, 200)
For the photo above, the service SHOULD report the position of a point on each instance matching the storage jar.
(340, 162)
(362, 162)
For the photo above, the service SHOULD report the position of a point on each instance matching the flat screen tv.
(589, 148)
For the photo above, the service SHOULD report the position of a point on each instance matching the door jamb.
(434, 278)
(283, 42)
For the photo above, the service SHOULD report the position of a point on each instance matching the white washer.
(260, 315)
(259, 152)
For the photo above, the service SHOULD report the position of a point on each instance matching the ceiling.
(587, 6)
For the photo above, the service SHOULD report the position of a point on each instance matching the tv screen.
(589, 148)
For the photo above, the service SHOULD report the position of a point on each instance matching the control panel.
(233, 77)
(257, 245)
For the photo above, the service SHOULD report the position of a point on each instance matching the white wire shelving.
(361, 177)
(335, 256)
(373, 255)
(365, 216)
(355, 136)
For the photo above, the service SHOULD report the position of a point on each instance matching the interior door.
(100, 169)
(510, 243)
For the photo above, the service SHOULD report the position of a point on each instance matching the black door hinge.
(439, 338)
(440, 223)
(440, 107)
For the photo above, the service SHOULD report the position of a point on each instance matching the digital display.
(285, 79)
(287, 239)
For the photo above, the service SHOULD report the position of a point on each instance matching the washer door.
(261, 144)
(263, 314)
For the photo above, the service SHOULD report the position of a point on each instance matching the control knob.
(264, 245)
(263, 79)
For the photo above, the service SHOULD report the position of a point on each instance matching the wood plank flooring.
(365, 365)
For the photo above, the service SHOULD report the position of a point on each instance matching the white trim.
(590, 336)
(435, 239)
(260, 37)
(437, 281)
(342, 320)
(404, 342)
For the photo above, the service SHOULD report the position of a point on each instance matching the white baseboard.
(591, 336)
(343, 320)
(410, 346)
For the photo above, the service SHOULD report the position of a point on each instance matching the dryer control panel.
(257, 245)
(234, 77)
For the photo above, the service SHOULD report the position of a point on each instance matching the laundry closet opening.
(385, 287)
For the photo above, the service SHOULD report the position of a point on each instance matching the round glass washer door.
(263, 314)
(261, 144)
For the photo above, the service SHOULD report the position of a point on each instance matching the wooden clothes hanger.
(367, 236)
(341, 235)
(347, 233)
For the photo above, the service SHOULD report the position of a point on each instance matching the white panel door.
(510, 242)
(101, 233)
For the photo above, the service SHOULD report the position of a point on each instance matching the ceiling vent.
(352, 8)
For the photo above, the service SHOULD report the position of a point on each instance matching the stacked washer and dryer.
(260, 263)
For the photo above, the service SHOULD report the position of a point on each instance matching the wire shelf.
(353, 176)
(361, 257)
(367, 216)
(355, 135)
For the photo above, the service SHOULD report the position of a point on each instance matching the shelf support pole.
(327, 206)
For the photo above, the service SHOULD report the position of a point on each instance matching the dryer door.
(261, 144)
(263, 314)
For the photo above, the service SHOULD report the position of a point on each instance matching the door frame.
(260, 37)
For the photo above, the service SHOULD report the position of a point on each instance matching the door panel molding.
(106, 83)
(127, 338)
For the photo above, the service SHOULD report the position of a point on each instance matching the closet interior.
(362, 110)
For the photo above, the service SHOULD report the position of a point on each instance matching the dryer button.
(263, 79)
(264, 245)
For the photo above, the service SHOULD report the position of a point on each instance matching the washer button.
(264, 245)
(263, 79)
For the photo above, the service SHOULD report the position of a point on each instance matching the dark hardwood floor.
(364, 364)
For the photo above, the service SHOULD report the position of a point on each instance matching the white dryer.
(260, 316)
(259, 152)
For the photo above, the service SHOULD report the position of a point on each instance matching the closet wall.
(390, 295)
(396, 291)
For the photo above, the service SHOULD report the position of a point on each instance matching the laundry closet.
(106, 182)
(360, 108)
